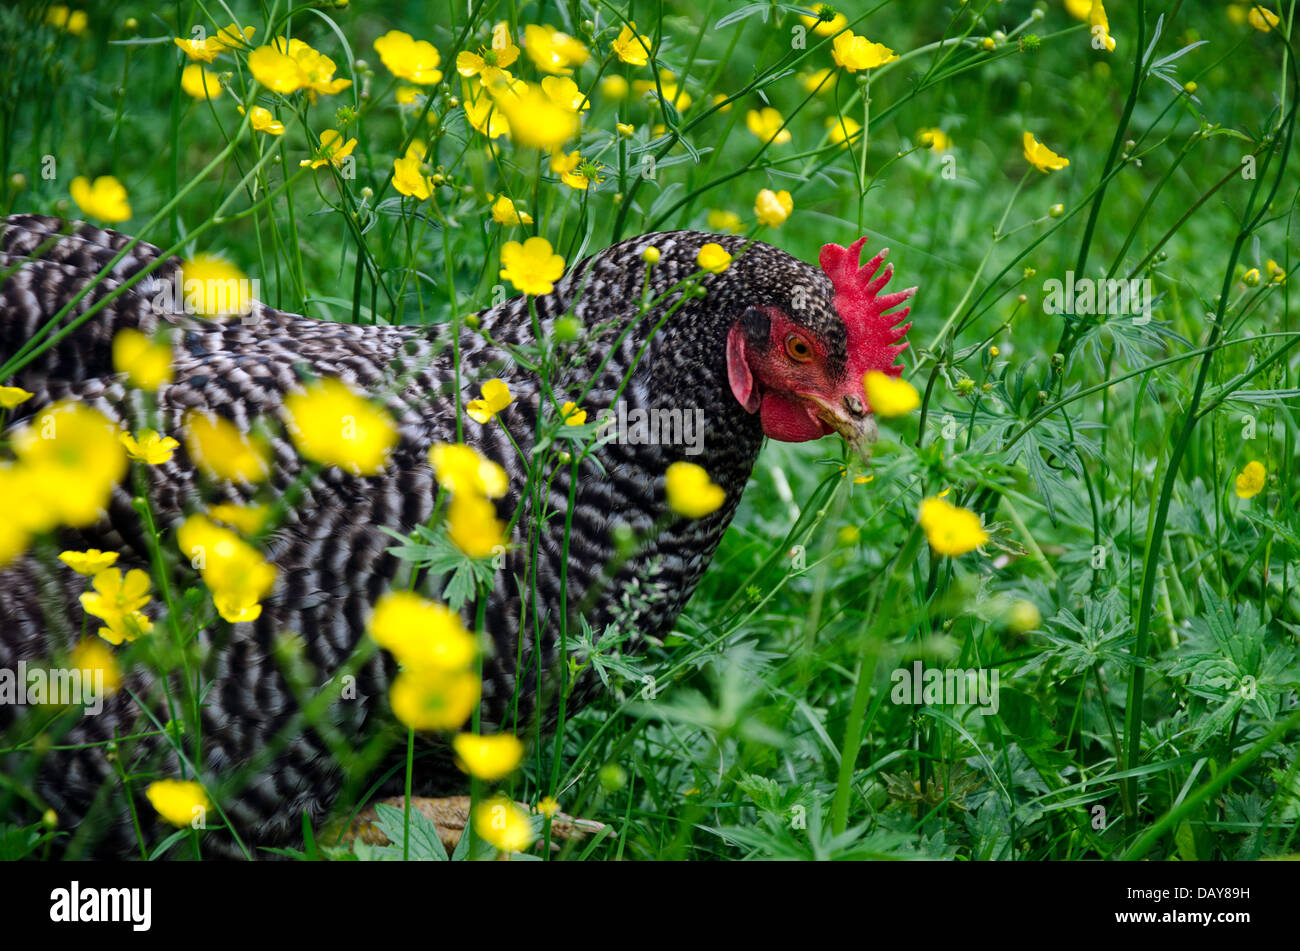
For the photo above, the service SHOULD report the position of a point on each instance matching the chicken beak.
(857, 428)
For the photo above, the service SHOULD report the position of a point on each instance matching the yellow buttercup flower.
(332, 150)
(631, 47)
(690, 491)
(89, 562)
(11, 396)
(263, 121)
(532, 267)
(222, 451)
(1079, 9)
(70, 21)
(331, 424)
(117, 600)
(889, 396)
(473, 526)
(553, 51)
(950, 529)
(277, 70)
(246, 519)
(488, 757)
(1261, 18)
(507, 211)
(625, 129)
(722, 220)
(843, 129)
(504, 825)
(150, 448)
(231, 37)
(614, 87)
(767, 126)
(819, 80)
(205, 50)
(422, 634)
(773, 208)
(935, 139)
(1099, 25)
(146, 363)
(852, 53)
(1250, 481)
(236, 573)
(574, 170)
(410, 180)
(213, 287)
(91, 654)
(548, 806)
(572, 415)
(535, 119)
(200, 83)
(315, 68)
(502, 53)
(564, 92)
(462, 469)
(69, 460)
(409, 58)
(827, 23)
(1041, 157)
(105, 199)
(484, 116)
(434, 699)
(181, 802)
(496, 397)
(713, 258)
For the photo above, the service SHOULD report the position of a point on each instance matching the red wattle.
(788, 421)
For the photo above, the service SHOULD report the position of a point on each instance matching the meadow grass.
(1135, 596)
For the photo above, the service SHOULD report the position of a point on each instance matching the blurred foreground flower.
(951, 530)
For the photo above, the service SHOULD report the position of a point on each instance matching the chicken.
(773, 346)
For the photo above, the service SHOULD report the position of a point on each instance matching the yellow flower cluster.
(287, 66)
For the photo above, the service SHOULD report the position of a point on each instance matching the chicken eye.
(797, 348)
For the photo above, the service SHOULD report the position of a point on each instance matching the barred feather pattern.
(330, 551)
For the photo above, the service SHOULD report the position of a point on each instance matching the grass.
(1140, 615)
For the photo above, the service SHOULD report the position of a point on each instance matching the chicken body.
(331, 551)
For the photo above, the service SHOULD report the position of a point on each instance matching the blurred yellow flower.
(117, 600)
(91, 654)
(767, 126)
(1099, 26)
(819, 80)
(70, 21)
(434, 699)
(333, 150)
(150, 448)
(213, 287)
(246, 519)
(631, 47)
(484, 116)
(951, 530)
(277, 70)
(1261, 18)
(625, 129)
(105, 199)
(462, 469)
(488, 757)
(504, 825)
(613, 87)
(1041, 157)
(934, 139)
(473, 526)
(843, 129)
(721, 220)
(553, 51)
(408, 58)
(180, 802)
(1250, 481)
(69, 460)
(423, 635)
(773, 208)
(496, 397)
(331, 424)
(564, 92)
(236, 573)
(690, 491)
(852, 52)
(536, 120)
(11, 396)
(713, 258)
(532, 267)
(832, 24)
(89, 562)
(1079, 9)
(889, 397)
(200, 83)
(222, 451)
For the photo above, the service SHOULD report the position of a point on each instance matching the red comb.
(873, 334)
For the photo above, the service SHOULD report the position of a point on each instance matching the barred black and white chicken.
(773, 347)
